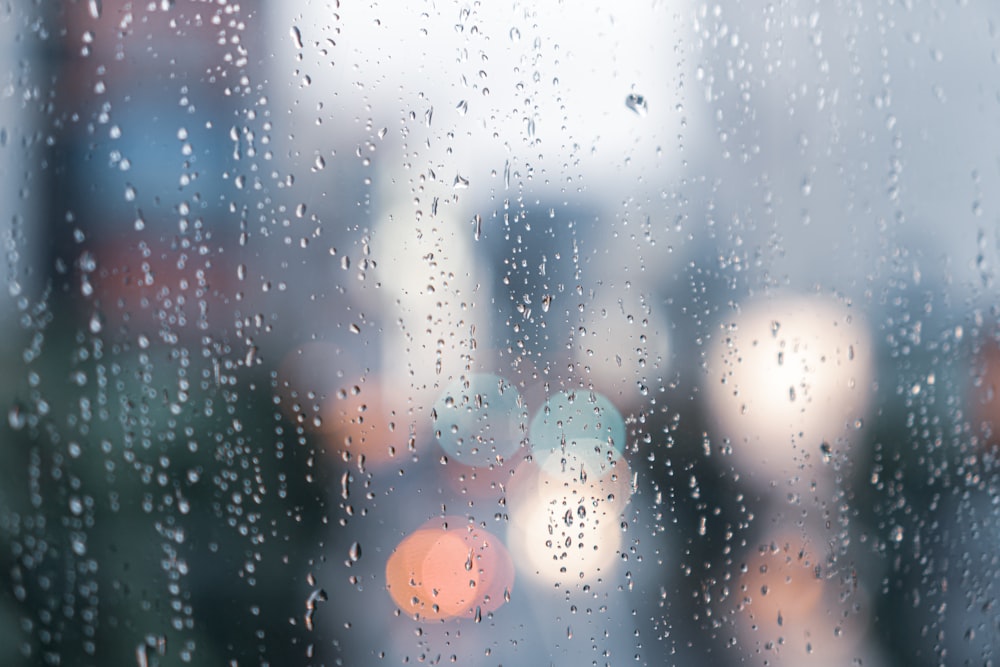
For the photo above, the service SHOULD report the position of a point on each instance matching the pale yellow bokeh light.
(789, 381)
(565, 523)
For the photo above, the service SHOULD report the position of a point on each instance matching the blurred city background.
(499, 333)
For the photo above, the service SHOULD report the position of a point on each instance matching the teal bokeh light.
(478, 419)
(578, 421)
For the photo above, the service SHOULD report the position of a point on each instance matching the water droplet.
(461, 182)
(637, 103)
(354, 553)
(317, 596)
(296, 36)
(462, 108)
(16, 417)
(95, 7)
(515, 35)
(897, 534)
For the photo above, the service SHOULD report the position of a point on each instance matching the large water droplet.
(637, 103)
(16, 417)
(317, 596)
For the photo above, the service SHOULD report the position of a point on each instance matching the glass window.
(499, 333)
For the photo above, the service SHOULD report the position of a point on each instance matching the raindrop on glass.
(637, 103)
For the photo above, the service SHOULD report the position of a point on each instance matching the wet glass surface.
(499, 333)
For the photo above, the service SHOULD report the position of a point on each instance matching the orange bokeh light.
(350, 414)
(449, 569)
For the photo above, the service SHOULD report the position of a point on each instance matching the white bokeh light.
(789, 383)
(565, 525)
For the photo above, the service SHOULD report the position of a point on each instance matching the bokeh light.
(985, 393)
(578, 420)
(357, 421)
(793, 601)
(566, 516)
(478, 419)
(449, 568)
(351, 415)
(789, 382)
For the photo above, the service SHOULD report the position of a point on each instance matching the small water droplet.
(345, 485)
(296, 36)
(462, 108)
(515, 35)
(354, 553)
(461, 182)
(95, 7)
